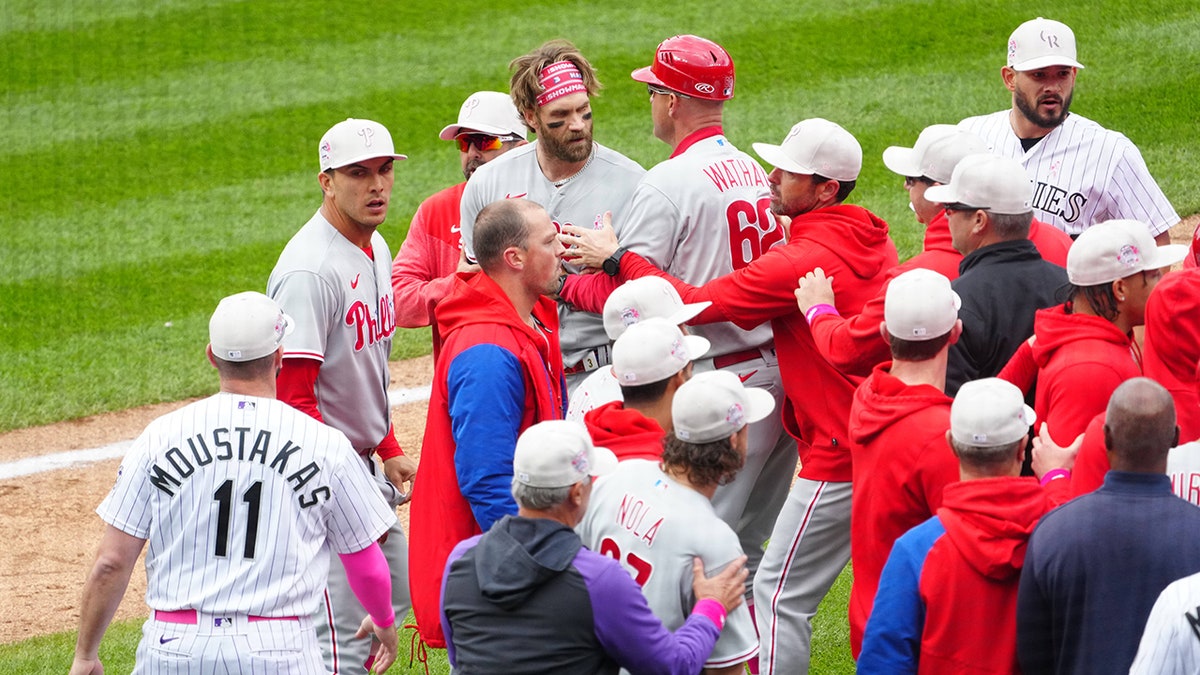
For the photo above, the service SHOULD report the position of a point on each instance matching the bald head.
(1139, 426)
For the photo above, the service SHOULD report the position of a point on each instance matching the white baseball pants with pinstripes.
(809, 548)
(228, 646)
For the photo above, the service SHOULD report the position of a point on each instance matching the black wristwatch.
(612, 264)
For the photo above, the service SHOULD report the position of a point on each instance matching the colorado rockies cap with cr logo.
(1041, 43)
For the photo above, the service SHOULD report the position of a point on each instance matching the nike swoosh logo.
(165, 640)
(354, 284)
(509, 196)
(747, 376)
(456, 228)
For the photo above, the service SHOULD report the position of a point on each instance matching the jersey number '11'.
(224, 497)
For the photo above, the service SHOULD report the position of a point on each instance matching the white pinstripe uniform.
(1083, 173)
(1171, 641)
(654, 527)
(241, 499)
(699, 215)
(604, 184)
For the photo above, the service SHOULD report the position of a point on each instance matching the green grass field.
(159, 155)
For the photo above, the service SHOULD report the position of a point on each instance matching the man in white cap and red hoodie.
(898, 422)
(488, 126)
(816, 168)
(947, 597)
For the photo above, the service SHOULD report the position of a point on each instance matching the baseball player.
(574, 178)
(634, 301)
(701, 214)
(1171, 642)
(655, 519)
(334, 276)
(241, 498)
(1083, 173)
(488, 126)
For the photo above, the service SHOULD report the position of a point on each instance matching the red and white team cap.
(1041, 43)
(486, 112)
(920, 305)
(355, 140)
(692, 66)
(990, 412)
(935, 154)
(715, 405)
(816, 146)
(1115, 249)
(652, 350)
(646, 298)
(247, 326)
(557, 454)
(989, 182)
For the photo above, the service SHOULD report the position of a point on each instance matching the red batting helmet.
(692, 66)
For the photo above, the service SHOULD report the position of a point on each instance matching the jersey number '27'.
(752, 231)
(224, 497)
(642, 569)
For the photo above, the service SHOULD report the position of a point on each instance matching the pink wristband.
(712, 610)
(817, 310)
(1054, 474)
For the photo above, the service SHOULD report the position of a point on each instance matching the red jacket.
(485, 344)
(851, 244)
(423, 271)
(854, 344)
(628, 433)
(1081, 360)
(902, 462)
(1171, 351)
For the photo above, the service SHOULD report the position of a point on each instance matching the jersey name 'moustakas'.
(178, 465)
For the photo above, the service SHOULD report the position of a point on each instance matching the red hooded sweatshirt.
(902, 462)
(628, 433)
(1172, 347)
(851, 244)
(482, 336)
(1081, 360)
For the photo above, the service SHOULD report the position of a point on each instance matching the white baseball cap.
(920, 305)
(558, 453)
(355, 140)
(486, 112)
(652, 350)
(1041, 43)
(1116, 249)
(645, 298)
(715, 405)
(989, 182)
(247, 326)
(990, 412)
(907, 161)
(816, 146)
(944, 154)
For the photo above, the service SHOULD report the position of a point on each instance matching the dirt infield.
(50, 529)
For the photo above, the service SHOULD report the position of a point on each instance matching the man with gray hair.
(947, 596)
(527, 597)
(1095, 565)
(1002, 279)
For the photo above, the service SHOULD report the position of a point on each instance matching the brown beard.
(566, 152)
(1044, 121)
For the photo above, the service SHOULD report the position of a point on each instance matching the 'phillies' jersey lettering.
(369, 328)
(729, 173)
(1186, 485)
(632, 516)
(752, 231)
(1049, 198)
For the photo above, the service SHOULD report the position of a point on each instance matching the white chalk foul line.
(77, 458)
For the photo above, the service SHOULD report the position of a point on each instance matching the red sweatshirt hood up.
(989, 520)
(628, 433)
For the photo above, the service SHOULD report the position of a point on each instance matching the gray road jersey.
(606, 184)
(342, 304)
